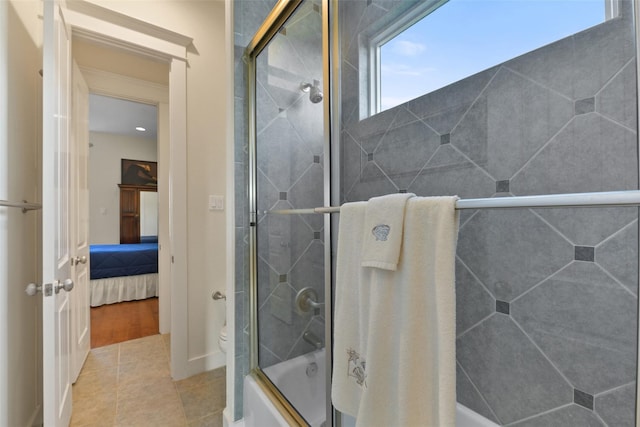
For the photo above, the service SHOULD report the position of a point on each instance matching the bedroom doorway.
(128, 91)
(123, 219)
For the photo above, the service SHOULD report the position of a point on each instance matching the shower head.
(315, 94)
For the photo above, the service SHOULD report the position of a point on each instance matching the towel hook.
(217, 295)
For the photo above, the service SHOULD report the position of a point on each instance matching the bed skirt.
(118, 289)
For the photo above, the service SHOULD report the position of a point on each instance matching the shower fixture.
(315, 94)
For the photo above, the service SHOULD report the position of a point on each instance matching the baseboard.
(36, 417)
(227, 419)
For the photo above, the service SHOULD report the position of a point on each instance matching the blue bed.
(123, 272)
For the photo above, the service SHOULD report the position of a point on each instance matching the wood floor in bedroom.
(124, 321)
(128, 384)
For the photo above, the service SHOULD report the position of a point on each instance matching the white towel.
(384, 219)
(394, 340)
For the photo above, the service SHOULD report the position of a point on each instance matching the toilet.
(222, 339)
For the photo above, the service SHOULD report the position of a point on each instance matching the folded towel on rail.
(394, 331)
(384, 220)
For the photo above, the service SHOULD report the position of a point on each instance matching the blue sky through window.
(463, 37)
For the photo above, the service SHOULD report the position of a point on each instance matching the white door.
(56, 244)
(80, 320)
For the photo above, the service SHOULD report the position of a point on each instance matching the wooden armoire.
(130, 211)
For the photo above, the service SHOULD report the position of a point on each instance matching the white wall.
(207, 79)
(20, 86)
(104, 176)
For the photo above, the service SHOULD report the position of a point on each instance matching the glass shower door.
(289, 174)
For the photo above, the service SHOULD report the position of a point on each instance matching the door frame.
(102, 82)
(112, 29)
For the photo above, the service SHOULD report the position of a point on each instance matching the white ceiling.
(117, 116)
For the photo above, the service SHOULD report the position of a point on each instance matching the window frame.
(370, 46)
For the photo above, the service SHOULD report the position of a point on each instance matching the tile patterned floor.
(128, 384)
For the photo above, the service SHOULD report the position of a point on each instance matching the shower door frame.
(267, 31)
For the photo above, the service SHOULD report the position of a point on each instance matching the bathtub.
(303, 383)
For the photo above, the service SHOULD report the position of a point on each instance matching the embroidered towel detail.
(384, 221)
(351, 312)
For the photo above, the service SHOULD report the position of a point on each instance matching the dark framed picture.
(139, 172)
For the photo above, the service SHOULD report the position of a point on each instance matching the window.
(442, 42)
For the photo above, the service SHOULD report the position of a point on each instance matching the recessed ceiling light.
(140, 128)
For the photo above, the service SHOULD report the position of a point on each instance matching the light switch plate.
(216, 203)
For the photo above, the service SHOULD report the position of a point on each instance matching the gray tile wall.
(248, 15)
(290, 157)
(290, 176)
(546, 298)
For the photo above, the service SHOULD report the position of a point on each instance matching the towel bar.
(26, 206)
(573, 200)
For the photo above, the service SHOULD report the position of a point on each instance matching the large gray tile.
(240, 311)
(266, 357)
(580, 65)
(241, 136)
(453, 97)
(316, 327)
(449, 173)
(277, 335)
(266, 109)
(268, 280)
(239, 72)
(351, 163)
(282, 239)
(618, 99)
(309, 270)
(585, 323)
(369, 131)
(588, 227)
(248, 16)
(589, 154)
(307, 120)
(467, 395)
(267, 194)
(281, 155)
(515, 379)
(473, 302)
(280, 70)
(404, 150)
(619, 256)
(350, 94)
(304, 30)
(618, 408)
(569, 416)
(373, 182)
(373, 18)
(509, 122)
(280, 304)
(238, 384)
(444, 120)
(308, 192)
(350, 12)
(242, 259)
(241, 177)
(599, 53)
(551, 66)
(511, 250)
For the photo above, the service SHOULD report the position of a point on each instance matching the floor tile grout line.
(140, 358)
